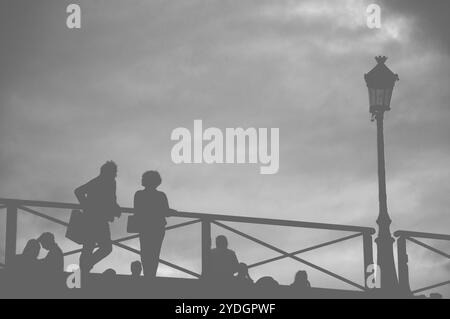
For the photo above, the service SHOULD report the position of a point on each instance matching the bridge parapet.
(13, 206)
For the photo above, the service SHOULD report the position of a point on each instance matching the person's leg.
(104, 244)
(154, 250)
(86, 256)
(149, 253)
(85, 262)
(145, 258)
(158, 245)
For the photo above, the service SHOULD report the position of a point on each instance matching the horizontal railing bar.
(35, 203)
(435, 250)
(284, 253)
(229, 218)
(431, 287)
(266, 261)
(280, 222)
(416, 234)
(33, 212)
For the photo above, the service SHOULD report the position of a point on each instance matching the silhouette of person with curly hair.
(151, 208)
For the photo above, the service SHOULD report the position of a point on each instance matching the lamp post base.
(385, 260)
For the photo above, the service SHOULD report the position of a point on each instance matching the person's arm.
(82, 191)
(235, 263)
(114, 194)
(117, 210)
(136, 203)
(165, 205)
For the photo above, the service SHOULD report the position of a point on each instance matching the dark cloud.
(431, 20)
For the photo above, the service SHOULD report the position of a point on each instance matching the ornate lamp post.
(380, 82)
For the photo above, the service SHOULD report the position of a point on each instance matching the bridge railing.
(413, 237)
(13, 206)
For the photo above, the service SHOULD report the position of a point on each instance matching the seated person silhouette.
(224, 263)
(53, 263)
(108, 284)
(301, 282)
(151, 208)
(26, 268)
(242, 275)
(136, 269)
(136, 284)
(109, 273)
(266, 285)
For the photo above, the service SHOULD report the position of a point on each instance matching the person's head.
(32, 249)
(221, 242)
(267, 283)
(151, 179)
(47, 240)
(109, 170)
(109, 273)
(301, 276)
(136, 268)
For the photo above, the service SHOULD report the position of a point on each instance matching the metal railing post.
(206, 246)
(403, 272)
(368, 255)
(11, 234)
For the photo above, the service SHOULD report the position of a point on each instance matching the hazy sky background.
(116, 88)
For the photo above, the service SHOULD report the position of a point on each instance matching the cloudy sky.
(136, 70)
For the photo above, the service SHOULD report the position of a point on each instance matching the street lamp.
(380, 83)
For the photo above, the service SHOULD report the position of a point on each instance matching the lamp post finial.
(381, 59)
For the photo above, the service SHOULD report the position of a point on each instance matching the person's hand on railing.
(117, 212)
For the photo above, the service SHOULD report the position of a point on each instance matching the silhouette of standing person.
(224, 262)
(99, 203)
(151, 208)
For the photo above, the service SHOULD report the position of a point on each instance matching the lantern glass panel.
(379, 97)
(372, 97)
(387, 97)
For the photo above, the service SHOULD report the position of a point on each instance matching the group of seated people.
(224, 267)
(28, 268)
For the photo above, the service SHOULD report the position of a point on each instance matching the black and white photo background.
(163, 85)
